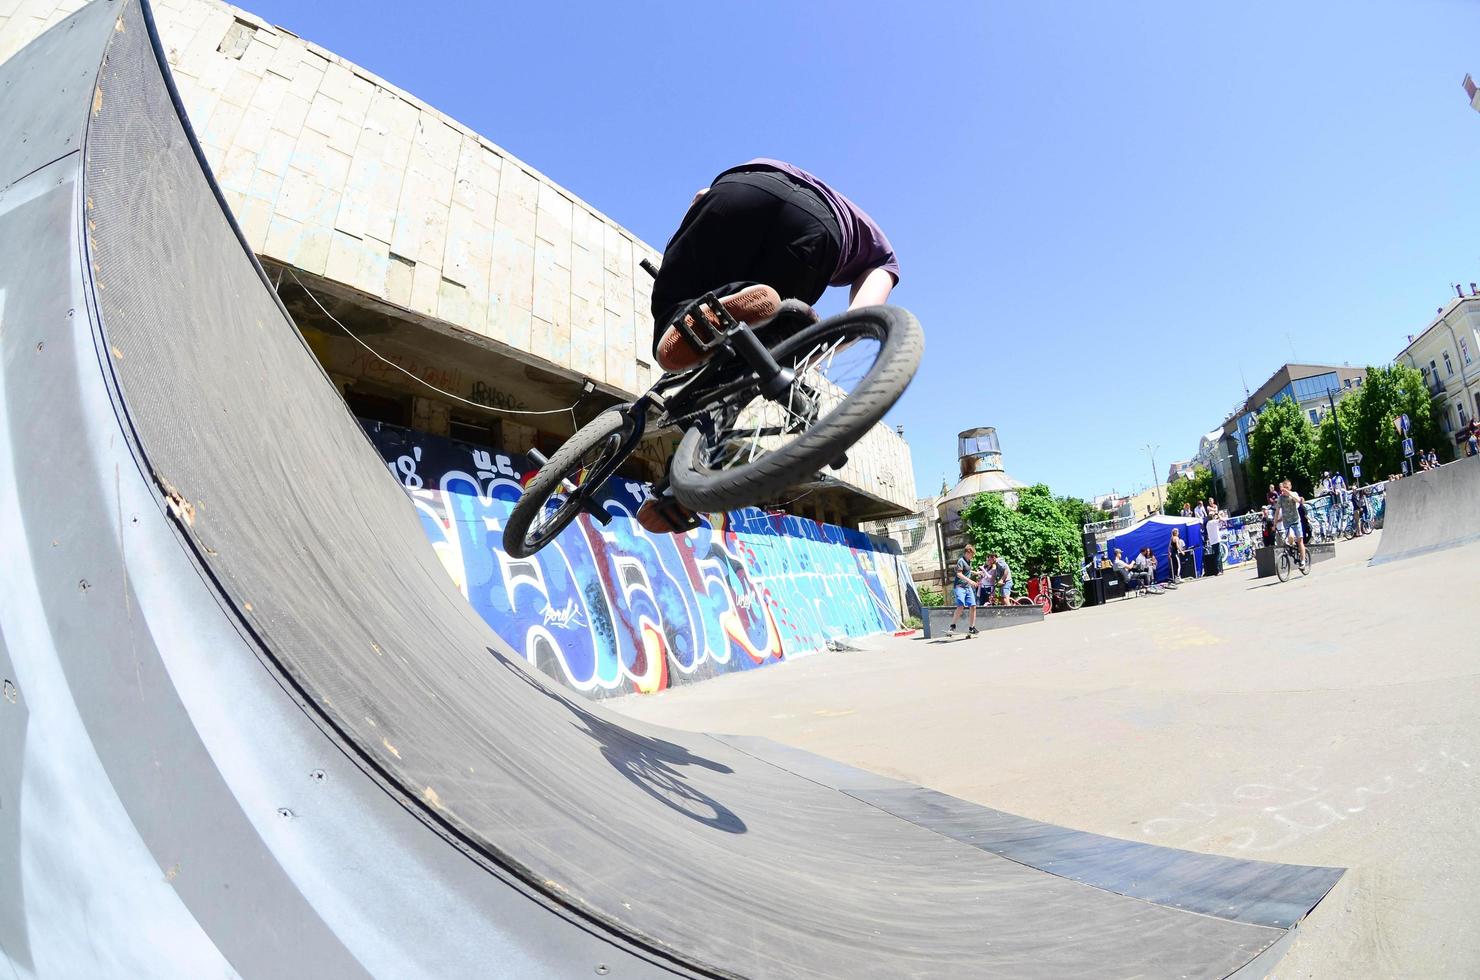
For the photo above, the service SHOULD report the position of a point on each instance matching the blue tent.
(1155, 532)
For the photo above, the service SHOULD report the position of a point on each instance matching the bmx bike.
(1052, 597)
(1288, 559)
(774, 403)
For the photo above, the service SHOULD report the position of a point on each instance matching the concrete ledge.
(1264, 556)
(937, 619)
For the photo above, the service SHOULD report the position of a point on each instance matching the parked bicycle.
(775, 402)
(1052, 596)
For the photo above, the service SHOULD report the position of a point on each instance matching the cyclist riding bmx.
(760, 232)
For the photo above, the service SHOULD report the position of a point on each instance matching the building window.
(1448, 365)
(1315, 418)
(1463, 419)
(1464, 350)
(1445, 419)
(1347, 384)
(371, 407)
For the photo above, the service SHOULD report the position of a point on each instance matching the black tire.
(1305, 565)
(1073, 597)
(699, 486)
(596, 448)
(1282, 565)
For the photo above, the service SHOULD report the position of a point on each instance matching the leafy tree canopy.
(1189, 490)
(1282, 446)
(1036, 539)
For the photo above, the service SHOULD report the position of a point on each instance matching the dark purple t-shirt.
(863, 246)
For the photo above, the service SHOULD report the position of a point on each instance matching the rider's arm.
(871, 288)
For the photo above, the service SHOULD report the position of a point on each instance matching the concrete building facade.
(1225, 450)
(487, 300)
(1447, 352)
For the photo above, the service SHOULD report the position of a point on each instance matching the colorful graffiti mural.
(614, 609)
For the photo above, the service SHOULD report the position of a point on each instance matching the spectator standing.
(1000, 576)
(1213, 536)
(965, 590)
(1201, 513)
(1472, 438)
(1174, 557)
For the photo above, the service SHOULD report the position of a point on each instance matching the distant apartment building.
(1180, 469)
(1313, 387)
(1447, 353)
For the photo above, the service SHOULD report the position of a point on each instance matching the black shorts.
(754, 226)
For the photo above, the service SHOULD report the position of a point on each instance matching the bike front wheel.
(1282, 566)
(1073, 598)
(848, 371)
(560, 490)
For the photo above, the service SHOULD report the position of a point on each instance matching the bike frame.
(741, 361)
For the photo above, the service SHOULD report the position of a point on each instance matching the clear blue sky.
(1109, 216)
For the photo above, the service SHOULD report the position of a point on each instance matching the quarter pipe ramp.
(249, 726)
(1430, 511)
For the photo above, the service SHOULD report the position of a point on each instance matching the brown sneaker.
(658, 517)
(750, 305)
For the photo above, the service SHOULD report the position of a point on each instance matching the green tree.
(1282, 446)
(1189, 490)
(1036, 538)
(1329, 448)
(1079, 512)
(1367, 421)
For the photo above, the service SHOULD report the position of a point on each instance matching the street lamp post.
(1155, 480)
(1340, 446)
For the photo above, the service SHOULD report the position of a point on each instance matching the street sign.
(1401, 423)
(1407, 446)
(1354, 457)
(1356, 472)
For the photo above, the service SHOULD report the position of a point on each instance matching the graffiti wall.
(614, 609)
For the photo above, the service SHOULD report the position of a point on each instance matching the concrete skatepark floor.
(1329, 720)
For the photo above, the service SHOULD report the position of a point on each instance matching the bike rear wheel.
(849, 370)
(1073, 597)
(559, 491)
(1304, 566)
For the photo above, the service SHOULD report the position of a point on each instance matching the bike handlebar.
(649, 268)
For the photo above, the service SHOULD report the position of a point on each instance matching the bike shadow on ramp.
(651, 764)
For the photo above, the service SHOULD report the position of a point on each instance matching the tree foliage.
(1036, 539)
(1189, 490)
(1366, 417)
(1079, 512)
(1282, 446)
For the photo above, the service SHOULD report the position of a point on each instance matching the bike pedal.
(719, 331)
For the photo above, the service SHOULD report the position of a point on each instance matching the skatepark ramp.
(1430, 511)
(249, 726)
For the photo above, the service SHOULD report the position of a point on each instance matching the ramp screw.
(602, 969)
(39, 345)
(317, 775)
(285, 813)
(83, 585)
